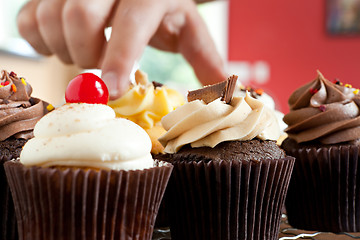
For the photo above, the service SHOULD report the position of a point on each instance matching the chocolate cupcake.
(87, 175)
(324, 137)
(18, 114)
(230, 178)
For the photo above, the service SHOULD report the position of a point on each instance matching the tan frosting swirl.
(18, 111)
(201, 124)
(325, 112)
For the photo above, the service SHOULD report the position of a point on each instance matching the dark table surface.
(286, 233)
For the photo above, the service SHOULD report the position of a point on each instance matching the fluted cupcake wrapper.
(324, 192)
(8, 229)
(78, 204)
(228, 200)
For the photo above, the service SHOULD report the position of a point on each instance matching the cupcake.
(230, 178)
(86, 174)
(324, 134)
(18, 114)
(145, 103)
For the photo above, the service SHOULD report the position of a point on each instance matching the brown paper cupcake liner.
(228, 200)
(78, 204)
(8, 228)
(162, 218)
(324, 192)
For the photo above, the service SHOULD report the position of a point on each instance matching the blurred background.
(275, 45)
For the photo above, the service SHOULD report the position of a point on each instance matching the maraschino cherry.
(87, 88)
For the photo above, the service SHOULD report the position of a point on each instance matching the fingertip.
(117, 85)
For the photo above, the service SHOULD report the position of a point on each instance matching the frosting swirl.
(18, 111)
(146, 105)
(324, 112)
(201, 124)
(87, 135)
(269, 102)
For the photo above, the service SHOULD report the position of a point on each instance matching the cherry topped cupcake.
(324, 136)
(87, 174)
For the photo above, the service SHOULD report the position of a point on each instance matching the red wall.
(291, 36)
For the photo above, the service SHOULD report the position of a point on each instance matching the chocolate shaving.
(230, 87)
(157, 84)
(223, 90)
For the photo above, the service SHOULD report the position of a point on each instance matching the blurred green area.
(164, 67)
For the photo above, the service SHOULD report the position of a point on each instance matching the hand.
(74, 31)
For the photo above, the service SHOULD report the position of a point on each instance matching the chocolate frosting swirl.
(325, 112)
(19, 112)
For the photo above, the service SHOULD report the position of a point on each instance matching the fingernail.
(111, 80)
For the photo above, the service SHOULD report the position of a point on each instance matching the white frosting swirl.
(87, 135)
(201, 124)
(270, 103)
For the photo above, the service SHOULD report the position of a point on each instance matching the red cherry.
(87, 88)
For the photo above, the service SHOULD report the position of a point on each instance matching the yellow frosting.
(146, 105)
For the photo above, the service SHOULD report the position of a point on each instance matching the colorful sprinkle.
(49, 107)
(23, 81)
(356, 91)
(322, 108)
(12, 74)
(1, 86)
(337, 81)
(13, 88)
(259, 91)
(313, 91)
(5, 83)
(348, 85)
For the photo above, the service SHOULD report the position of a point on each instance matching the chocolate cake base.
(252, 150)
(9, 149)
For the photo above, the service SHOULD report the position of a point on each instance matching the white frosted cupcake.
(86, 175)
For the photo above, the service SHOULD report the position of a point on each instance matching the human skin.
(73, 30)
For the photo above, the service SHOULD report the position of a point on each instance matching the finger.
(197, 46)
(133, 25)
(84, 24)
(49, 17)
(167, 35)
(28, 27)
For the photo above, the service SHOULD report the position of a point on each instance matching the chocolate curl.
(223, 90)
(157, 84)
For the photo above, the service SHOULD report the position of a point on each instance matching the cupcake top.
(324, 112)
(19, 112)
(87, 134)
(145, 103)
(268, 101)
(207, 124)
